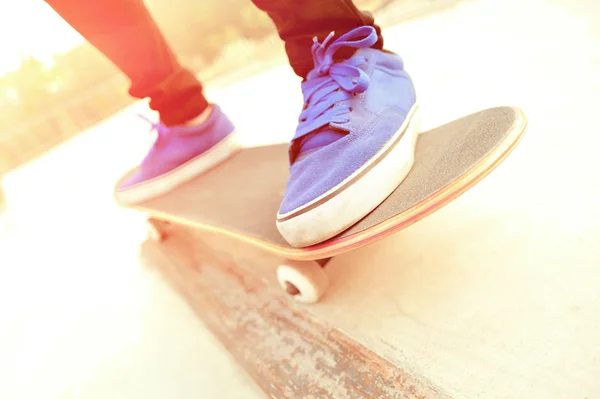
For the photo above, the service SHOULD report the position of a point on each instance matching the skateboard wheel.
(154, 232)
(305, 281)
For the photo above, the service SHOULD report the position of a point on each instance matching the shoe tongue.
(316, 140)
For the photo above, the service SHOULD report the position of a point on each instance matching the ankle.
(201, 118)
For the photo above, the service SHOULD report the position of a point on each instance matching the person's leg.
(299, 21)
(357, 131)
(125, 32)
(193, 135)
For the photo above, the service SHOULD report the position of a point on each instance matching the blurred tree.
(255, 24)
(204, 27)
(31, 83)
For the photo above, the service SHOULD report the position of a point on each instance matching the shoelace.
(329, 83)
(158, 127)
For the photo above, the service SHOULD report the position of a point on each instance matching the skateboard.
(240, 197)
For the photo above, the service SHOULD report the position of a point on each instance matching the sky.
(32, 28)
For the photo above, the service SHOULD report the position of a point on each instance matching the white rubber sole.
(166, 182)
(379, 177)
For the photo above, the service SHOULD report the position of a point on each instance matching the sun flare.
(33, 29)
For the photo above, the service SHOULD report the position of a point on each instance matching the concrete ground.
(495, 296)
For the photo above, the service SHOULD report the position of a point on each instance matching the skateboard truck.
(305, 281)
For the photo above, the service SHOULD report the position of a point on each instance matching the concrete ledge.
(286, 350)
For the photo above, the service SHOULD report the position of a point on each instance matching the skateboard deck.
(241, 196)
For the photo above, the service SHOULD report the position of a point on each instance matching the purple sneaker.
(179, 154)
(355, 141)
